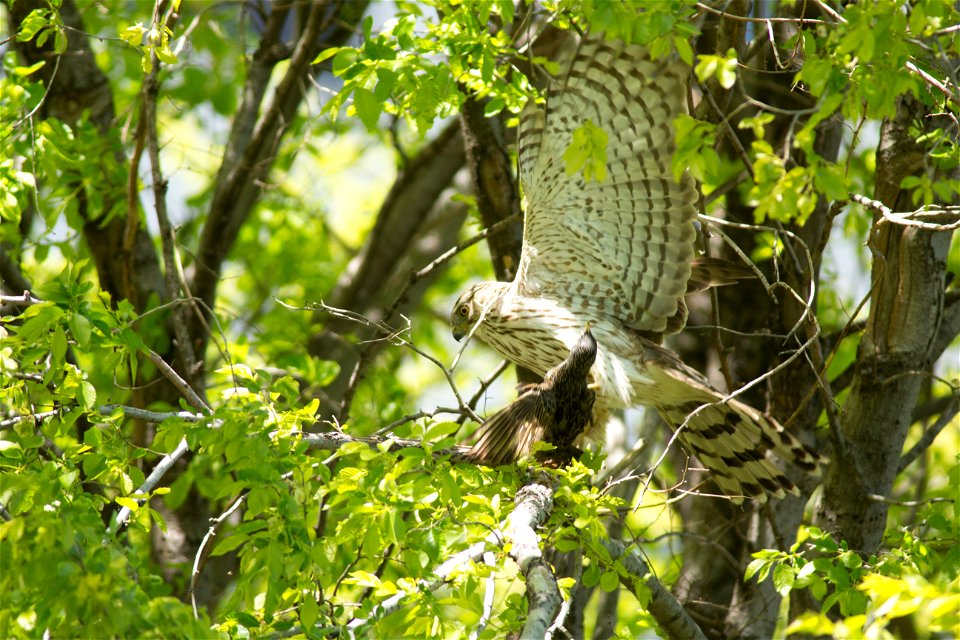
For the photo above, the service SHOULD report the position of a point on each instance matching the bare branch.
(149, 416)
(489, 590)
(152, 481)
(206, 547)
(950, 215)
(171, 261)
(394, 336)
(177, 381)
(732, 16)
(930, 434)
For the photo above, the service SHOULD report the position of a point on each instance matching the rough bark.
(495, 186)
(896, 350)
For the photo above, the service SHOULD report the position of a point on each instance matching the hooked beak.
(458, 334)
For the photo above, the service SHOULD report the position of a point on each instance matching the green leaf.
(609, 581)
(80, 329)
(830, 181)
(128, 503)
(133, 35)
(587, 152)
(22, 72)
(228, 544)
(58, 345)
(783, 578)
(326, 54)
(87, 395)
(34, 22)
(591, 576)
(308, 612)
(368, 108)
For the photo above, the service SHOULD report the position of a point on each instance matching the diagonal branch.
(663, 606)
(252, 151)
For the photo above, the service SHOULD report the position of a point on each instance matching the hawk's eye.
(464, 310)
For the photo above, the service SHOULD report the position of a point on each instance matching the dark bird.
(557, 411)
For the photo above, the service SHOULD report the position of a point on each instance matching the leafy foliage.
(306, 539)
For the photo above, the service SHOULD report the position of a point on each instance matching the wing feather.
(621, 247)
(510, 433)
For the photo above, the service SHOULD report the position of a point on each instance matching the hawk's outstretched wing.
(620, 247)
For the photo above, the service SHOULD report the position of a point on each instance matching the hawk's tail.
(734, 440)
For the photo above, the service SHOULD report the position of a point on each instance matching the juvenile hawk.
(618, 253)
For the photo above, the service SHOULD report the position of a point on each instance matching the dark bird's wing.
(511, 432)
(556, 411)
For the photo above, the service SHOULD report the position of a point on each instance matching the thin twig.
(950, 95)
(171, 261)
(171, 458)
(182, 386)
(489, 590)
(733, 16)
(151, 482)
(484, 385)
(391, 335)
(907, 503)
(203, 550)
(930, 434)
(24, 300)
(149, 416)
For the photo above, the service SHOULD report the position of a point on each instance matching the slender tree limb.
(395, 336)
(167, 462)
(240, 181)
(489, 590)
(663, 606)
(206, 546)
(930, 434)
(732, 16)
(334, 440)
(149, 416)
(171, 262)
(181, 385)
(944, 218)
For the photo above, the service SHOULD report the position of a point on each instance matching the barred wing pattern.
(620, 247)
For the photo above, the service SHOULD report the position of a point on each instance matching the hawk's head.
(476, 304)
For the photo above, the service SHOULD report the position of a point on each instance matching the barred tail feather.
(733, 441)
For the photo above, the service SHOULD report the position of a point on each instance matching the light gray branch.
(534, 502)
(333, 440)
